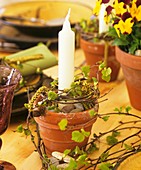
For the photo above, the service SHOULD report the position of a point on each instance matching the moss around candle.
(66, 47)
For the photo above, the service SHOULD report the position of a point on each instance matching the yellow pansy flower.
(138, 13)
(135, 12)
(119, 7)
(124, 27)
(96, 10)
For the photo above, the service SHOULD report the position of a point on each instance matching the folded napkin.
(29, 60)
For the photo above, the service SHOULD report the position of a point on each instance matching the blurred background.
(89, 2)
(34, 21)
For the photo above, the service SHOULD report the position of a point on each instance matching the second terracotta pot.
(131, 66)
(94, 52)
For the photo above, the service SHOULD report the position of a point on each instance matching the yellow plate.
(48, 10)
(52, 12)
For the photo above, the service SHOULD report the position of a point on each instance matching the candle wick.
(68, 14)
(66, 24)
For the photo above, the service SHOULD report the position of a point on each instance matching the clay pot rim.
(72, 118)
(71, 114)
(96, 43)
(69, 127)
(97, 48)
(88, 42)
(127, 59)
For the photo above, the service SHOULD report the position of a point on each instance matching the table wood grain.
(20, 151)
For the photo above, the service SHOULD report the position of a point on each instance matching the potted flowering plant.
(125, 19)
(96, 47)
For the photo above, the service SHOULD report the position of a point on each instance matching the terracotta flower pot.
(94, 52)
(131, 66)
(59, 140)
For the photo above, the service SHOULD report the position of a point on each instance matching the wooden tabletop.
(20, 151)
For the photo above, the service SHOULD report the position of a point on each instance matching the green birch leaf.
(127, 109)
(82, 159)
(66, 152)
(93, 147)
(118, 109)
(95, 81)
(102, 66)
(106, 74)
(86, 134)
(20, 129)
(78, 136)
(52, 95)
(85, 70)
(111, 140)
(92, 113)
(128, 147)
(105, 118)
(77, 150)
(72, 165)
(63, 124)
(104, 156)
(115, 133)
(27, 132)
(105, 166)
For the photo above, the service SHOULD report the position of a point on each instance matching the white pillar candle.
(103, 27)
(66, 47)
